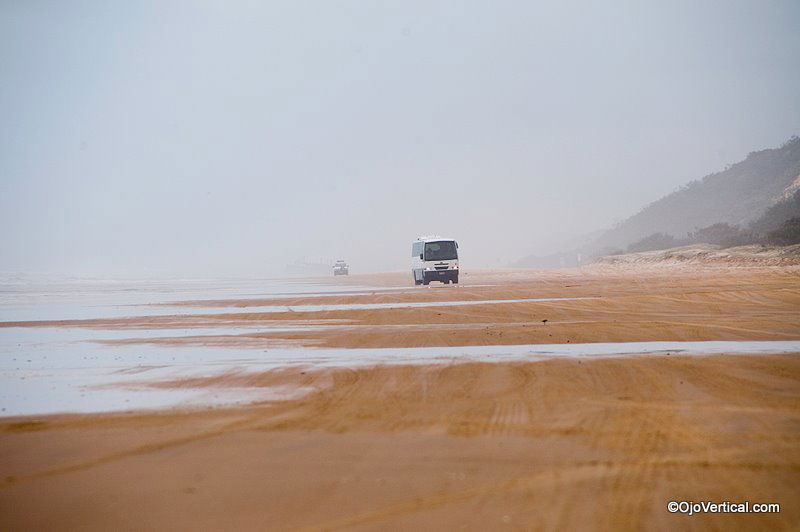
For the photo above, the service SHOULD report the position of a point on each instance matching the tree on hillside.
(722, 234)
(786, 234)
(776, 215)
(654, 242)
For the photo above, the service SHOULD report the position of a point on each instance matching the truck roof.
(432, 238)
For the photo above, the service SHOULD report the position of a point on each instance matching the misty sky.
(192, 138)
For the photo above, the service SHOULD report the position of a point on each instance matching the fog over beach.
(402, 265)
(198, 138)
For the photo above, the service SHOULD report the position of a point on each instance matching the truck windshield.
(445, 250)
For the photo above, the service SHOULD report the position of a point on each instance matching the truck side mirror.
(420, 256)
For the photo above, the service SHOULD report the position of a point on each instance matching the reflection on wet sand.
(549, 400)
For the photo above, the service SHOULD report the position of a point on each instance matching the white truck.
(341, 268)
(434, 258)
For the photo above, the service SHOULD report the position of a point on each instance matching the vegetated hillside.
(776, 216)
(737, 196)
(778, 226)
(741, 204)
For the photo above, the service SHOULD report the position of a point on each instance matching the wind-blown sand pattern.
(568, 442)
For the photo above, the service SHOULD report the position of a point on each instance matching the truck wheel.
(426, 282)
(455, 281)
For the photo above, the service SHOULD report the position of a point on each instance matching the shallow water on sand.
(359, 306)
(93, 299)
(87, 377)
(50, 370)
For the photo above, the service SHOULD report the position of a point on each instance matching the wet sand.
(594, 305)
(556, 444)
(561, 443)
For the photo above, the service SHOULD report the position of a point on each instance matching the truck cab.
(434, 258)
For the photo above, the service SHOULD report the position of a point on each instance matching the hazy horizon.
(193, 138)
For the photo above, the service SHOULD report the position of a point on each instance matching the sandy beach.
(399, 266)
(565, 442)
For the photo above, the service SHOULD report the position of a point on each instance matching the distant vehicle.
(434, 258)
(341, 268)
